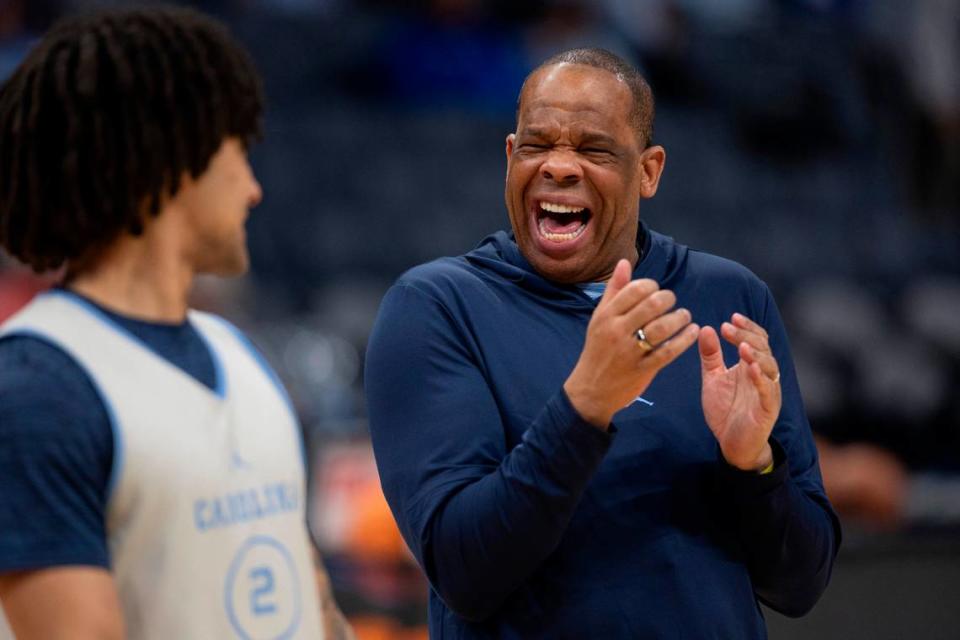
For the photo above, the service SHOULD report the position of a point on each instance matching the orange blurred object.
(382, 628)
(373, 533)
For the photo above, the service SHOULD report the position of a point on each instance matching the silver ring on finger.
(642, 341)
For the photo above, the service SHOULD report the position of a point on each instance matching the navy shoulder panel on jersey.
(56, 452)
(57, 442)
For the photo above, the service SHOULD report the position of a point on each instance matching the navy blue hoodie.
(531, 523)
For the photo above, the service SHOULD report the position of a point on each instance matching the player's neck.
(143, 277)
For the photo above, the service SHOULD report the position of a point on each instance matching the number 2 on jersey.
(263, 587)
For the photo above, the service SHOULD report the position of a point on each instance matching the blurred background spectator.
(816, 141)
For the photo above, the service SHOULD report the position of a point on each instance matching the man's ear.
(650, 167)
(511, 138)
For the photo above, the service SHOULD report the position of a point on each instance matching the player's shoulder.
(226, 333)
(28, 357)
(40, 377)
(42, 384)
(206, 321)
(56, 456)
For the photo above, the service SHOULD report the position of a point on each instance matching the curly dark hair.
(103, 117)
(641, 115)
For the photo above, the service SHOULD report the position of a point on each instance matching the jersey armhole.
(116, 461)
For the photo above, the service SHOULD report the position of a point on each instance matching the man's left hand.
(741, 403)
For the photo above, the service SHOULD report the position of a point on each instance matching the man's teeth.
(559, 208)
(560, 237)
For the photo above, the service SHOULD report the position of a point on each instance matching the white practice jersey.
(206, 516)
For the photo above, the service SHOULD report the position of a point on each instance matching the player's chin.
(238, 267)
(229, 264)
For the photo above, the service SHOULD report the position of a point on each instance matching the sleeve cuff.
(579, 429)
(748, 485)
(568, 450)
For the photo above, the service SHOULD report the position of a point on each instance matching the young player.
(151, 466)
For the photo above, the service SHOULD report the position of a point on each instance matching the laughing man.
(559, 460)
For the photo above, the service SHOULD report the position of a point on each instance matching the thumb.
(711, 357)
(619, 279)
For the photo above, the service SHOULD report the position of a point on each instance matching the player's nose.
(256, 192)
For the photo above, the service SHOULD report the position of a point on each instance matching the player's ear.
(511, 140)
(650, 167)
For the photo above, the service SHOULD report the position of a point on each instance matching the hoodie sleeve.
(787, 528)
(479, 519)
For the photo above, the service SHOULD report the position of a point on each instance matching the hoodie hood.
(661, 259)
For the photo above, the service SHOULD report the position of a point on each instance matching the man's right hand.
(614, 368)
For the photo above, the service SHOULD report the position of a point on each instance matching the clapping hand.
(741, 403)
(616, 365)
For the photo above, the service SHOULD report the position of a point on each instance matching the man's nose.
(561, 166)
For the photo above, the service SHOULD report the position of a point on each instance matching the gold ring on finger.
(642, 341)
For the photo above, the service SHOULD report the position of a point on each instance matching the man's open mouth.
(560, 222)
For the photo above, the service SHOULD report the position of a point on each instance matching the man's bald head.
(641, 115)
